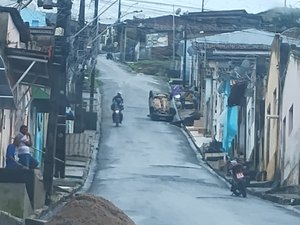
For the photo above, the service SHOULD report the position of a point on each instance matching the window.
(268, 127)
(1, 119)
(274, 106)
(291, 119)
(274, 102)
(249, 118)
(283, 135)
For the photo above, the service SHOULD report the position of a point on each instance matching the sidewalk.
(259, 189)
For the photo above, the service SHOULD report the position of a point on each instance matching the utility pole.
(202, 9)
(173, 21)
(94, 55)
(78, 122)
(119, 11)
(56, 131)
(62, 42)
(119, 30)
(284, 3)
(184, 58)
(81, 18)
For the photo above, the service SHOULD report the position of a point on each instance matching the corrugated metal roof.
(249, 36)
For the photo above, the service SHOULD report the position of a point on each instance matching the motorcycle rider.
(117, 103)
(118, 98)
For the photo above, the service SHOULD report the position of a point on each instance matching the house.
(280, 156)
(290, 130)
(25, 55)
(23, 73)
(269, 155)
(15, 34)
(232, 70)
(289, 127)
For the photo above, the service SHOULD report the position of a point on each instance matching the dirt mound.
(87, 209)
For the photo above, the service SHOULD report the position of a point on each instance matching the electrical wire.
(73, 36)
(165, 4)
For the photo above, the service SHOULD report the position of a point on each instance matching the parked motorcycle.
(239, 182)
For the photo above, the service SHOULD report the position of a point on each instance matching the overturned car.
(161, 107)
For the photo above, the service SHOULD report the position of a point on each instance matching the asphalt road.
(150, 171)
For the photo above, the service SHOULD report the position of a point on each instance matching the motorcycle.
(239, 183)
(117, 115)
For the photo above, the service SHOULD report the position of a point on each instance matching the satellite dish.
(246, 64)
(177, 12)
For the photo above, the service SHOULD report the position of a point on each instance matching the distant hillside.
(280, 19)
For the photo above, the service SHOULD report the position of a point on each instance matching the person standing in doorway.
(23, 142)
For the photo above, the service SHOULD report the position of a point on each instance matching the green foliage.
(281, 19)
(98, 82)
(87, 82)
(151, 67)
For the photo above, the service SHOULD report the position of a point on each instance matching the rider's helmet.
(119, 93)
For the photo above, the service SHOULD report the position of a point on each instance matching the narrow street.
(149, 170)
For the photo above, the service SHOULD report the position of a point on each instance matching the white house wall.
(291, 139)
(207, 89)
(7, 132)
(23, 110)
(221, 114)
(250, 127)
(215, 98)
(268, 156)
(196, 70)
(13, 35)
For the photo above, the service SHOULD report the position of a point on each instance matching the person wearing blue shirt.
(11, 162)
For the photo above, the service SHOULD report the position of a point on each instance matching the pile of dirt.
(87, 209)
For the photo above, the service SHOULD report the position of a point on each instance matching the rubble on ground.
(85, 209)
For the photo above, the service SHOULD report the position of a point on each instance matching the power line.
(164, 4)
(73, 36)
(154, 9)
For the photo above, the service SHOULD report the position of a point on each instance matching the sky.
(153, 8)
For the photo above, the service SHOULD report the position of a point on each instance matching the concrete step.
(76, 163)
(69, 182)
(74, 172)
(29, 221)
(260, 184)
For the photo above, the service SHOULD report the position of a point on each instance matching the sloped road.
(149, 170)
